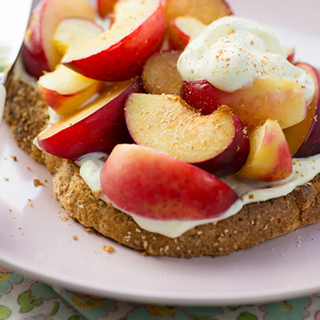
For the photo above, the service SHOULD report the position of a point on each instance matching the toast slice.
(27, 114)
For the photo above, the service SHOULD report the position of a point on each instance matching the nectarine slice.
(65, 90)
(200, 94)
(160, 74)
(119, 53)
(216, 142)
(307, 132)
(182, 30)
(105, 7)
(150, 184)
(38, 53)
(97, 127)
(278, 99)
(269, 158)
(205, 10)
(72, 31)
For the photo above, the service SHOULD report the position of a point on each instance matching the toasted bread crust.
(255, 223)
(27, 114)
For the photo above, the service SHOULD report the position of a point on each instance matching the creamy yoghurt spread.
(230, 53)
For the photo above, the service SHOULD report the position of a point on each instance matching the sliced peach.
(304, 137)
(182, 30)
(120, 52)
(205, 10)
(216, 143)
(200, 94)
(160, 74)
(278, 99)
(65, 90)
(150, 184)
(73, 31)
(269, 158)
(105, 7)
(98, 127)
(38, 53)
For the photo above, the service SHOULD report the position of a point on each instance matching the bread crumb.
(37, 183)
(28, 168)
(89, 229)
(7, 179)
(144, 254)
(64, 218)
(97, 193)
(31, 204)
(14, 158)
(108, 248)
(75, 237)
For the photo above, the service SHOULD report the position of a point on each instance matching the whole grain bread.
(27, 115)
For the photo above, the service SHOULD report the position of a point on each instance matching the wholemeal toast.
(26, 113)
(226, 98)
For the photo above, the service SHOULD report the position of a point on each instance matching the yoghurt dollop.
(232, 52)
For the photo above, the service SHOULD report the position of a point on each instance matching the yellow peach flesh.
(55, 11)
(126, 13)
(269, 158)
(167, 123)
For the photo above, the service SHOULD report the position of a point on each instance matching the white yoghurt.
(232, 52)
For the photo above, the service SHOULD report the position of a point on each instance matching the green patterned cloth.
(25, 299)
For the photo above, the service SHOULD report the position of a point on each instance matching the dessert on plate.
(173, 130)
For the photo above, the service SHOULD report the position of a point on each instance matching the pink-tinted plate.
(35, 241)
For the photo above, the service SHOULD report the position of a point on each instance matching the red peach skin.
(304, 137)
(38, 54)
(149, 183)
(98, 127)
(277, 99)
(120, 52)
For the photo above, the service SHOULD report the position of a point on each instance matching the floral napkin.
(24, 299)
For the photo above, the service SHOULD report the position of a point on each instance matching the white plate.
(36, 242)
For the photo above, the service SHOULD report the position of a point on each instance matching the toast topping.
(232, 52)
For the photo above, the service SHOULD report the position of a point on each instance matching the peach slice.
(98, 127)
(38, 54)
(278, 99)
(200, 94)
(304, 137)
(269, 158)
(65, 90)
(160, 74)
(216, 143)
(182, 30)
(150, 184)
(205, 10)
(73, 31)
(105, 7)
(120, 52)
